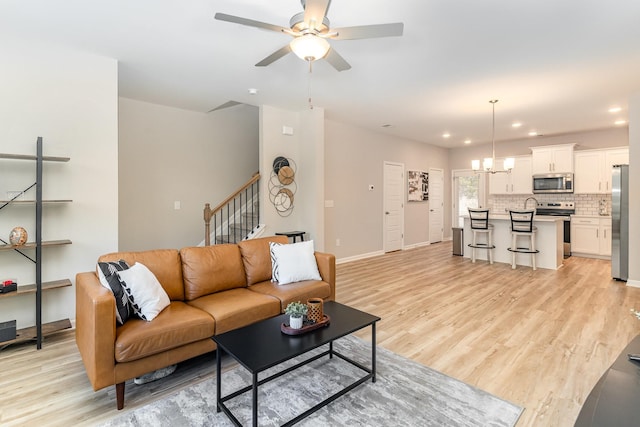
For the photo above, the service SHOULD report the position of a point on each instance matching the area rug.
(405, 393)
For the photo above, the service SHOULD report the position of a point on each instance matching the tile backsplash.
(586, 204)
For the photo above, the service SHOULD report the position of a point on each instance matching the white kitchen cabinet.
(618, 156)
(605, 236)
(593, 169)
(552, 159)
(521, 182)
(517, 182)
(591, 236)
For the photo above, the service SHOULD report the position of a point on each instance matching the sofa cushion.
(293, 263)
(163, 263)
(257, 259)
(178, 324)
(145, 293)
(299, 291)
(236, 308)
(211, 269)
(110, 280)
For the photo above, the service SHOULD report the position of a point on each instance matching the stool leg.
(514, 240)
(533, 250)
(473, 249)
(489, 244)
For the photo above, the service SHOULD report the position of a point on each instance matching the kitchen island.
(549, 241)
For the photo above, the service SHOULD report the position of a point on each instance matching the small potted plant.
(296, 312)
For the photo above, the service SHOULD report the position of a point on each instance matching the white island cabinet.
(549, 241)
(591, 236)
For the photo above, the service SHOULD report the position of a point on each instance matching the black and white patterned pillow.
(146, 295)
(274, 261)
(110, 280)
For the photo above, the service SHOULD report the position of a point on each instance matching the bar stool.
(522, 226)
(479, 221)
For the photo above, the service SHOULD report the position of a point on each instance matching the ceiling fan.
(311, 29)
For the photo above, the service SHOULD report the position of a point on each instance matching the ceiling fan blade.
(274, 56)
(314, 12)
(227, 104)
(368, 31)
(248, 22)
(336, 60)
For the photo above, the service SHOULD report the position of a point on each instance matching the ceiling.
(555, 66)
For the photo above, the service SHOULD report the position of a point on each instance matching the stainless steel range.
(564, 210)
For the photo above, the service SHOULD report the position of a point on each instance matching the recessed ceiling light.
(516, 125)
(446, 135)
(252, 91)
(615, 109)
(620, 122)
(533, 133)
(467, 141)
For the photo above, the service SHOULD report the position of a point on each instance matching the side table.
(293, 234)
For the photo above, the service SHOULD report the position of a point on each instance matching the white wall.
(70, 99)
(170, 155)
(306, 148)
(354, 160)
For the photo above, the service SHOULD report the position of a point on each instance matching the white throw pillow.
(295, 262)
(146, 295)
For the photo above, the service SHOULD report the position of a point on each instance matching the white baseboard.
(416, 245)
(378, 253)
(358, 257)
(633, 283)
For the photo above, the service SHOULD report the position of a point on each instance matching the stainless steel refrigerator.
(620, 222)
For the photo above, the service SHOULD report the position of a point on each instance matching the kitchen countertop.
(537, 218)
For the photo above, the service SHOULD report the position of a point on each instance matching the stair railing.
(240, 211)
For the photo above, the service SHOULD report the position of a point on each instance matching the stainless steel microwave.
(553, 183)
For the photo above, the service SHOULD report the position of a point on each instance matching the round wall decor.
(282, 185)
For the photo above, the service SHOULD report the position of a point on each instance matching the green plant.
(296, 309)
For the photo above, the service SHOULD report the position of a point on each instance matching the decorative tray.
(306, 327)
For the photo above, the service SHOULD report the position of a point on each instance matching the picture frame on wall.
(418, 186)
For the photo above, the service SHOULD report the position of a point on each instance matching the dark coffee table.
(262, 346)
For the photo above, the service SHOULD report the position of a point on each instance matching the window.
(468, 192)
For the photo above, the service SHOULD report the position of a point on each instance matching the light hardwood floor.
(540, 339)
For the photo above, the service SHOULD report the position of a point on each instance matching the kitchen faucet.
(527, 200)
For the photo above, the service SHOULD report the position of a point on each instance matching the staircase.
(237, 218)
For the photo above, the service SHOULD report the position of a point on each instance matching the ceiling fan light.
(309, 47)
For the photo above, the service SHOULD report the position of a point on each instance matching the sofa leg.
(120, 395)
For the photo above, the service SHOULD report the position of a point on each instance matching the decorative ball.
(18, 236)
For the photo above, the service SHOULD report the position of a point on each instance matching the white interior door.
(393, 206)
(436, 205)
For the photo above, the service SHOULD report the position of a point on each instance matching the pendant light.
(488, 163)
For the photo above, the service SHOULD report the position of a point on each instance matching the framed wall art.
(418, 186)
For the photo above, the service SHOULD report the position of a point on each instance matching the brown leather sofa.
(212, 289)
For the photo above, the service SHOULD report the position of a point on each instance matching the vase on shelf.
(18, 236)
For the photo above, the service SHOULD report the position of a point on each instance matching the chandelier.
(489, 162)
